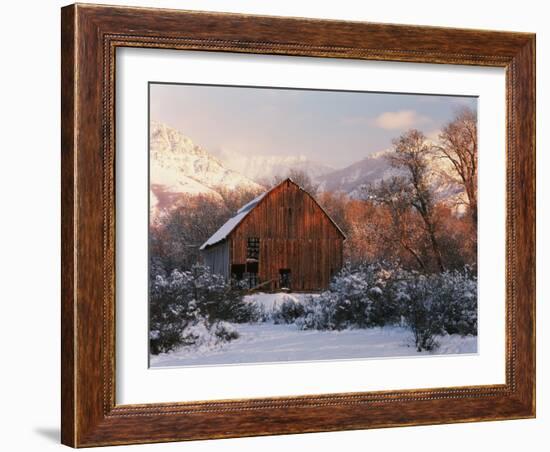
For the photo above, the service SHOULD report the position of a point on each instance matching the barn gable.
(234, 222)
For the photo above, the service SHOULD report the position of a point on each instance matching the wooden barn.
(281, 240)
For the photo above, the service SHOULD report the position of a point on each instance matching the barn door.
(285, 279)
(237, 272)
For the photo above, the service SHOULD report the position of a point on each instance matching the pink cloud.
(403, 119)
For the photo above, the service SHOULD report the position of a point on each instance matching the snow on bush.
(459, 290)
(204, 335)
(287, 311)
(437, 304)
(197, 334)
(193, 308)
(354, 299)
(378, 295)
(421, 307)
(276, 307)
(225, 332)
(187, 306)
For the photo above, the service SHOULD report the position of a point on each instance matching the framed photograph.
(281, 225)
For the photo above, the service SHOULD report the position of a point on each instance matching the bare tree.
(396, 194)
(302, 178)
(459, 145)
(335, 204)
(235, 198)
(411, 153)
(175, 242)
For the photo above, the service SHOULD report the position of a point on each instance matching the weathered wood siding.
(294, 234)
(217, 258)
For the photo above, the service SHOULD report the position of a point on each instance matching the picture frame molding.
(90, 36)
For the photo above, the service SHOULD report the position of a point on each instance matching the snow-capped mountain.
(370, 170)
(178, 166)
(262, 168)
(376, 167)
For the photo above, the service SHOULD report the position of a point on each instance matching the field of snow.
(266, 342)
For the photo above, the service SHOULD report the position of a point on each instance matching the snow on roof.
(224, 231)
(232, 223)
(249, 206)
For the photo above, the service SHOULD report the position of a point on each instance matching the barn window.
(252, 257)
(253, 248)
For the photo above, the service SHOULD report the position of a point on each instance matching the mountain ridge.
(180, 167)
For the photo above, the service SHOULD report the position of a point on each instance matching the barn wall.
(217, 258)
(295, 234)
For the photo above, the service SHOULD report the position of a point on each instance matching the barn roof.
(226, 229)
(232, 223)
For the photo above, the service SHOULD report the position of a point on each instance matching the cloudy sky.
(332, 127)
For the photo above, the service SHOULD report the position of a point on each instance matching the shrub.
(225, 332)
(170, 313)
(385, 308)
(420, 308)
(319, 313)
(356, 298)
(185, 304)
(196, 334)
(459, 293)
(378, 295)
(437, 304)
(288, 311)
(201, 333)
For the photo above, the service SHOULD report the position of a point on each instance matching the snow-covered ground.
(266, 342)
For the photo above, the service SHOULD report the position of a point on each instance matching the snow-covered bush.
(287, 311)
(318, 313)
(385, 308)
(232, 308)
(197, 333)
(377, 295)
(421, 308)
(201, 334)
(458, 291)
(437, 304)
(170, 313)
(225, 332)
(185, 303)
(355, 299)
